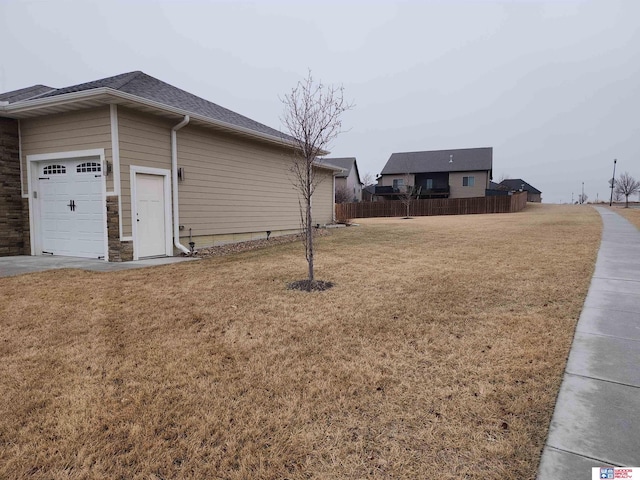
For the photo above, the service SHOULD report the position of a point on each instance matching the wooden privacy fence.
(440, 206)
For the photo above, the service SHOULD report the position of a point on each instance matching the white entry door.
(71, 218)
(150, 215)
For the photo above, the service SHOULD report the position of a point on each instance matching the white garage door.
(71, 208)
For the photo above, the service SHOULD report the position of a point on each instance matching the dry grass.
(438, 353)
(631, 214)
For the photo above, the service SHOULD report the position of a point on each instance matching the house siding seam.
(11, 204)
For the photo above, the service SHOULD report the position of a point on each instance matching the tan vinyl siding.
(145, 141)
(323, 205)
(233, 185)
(387, 180)
(353, 186)
(481, 181)
(66, 132)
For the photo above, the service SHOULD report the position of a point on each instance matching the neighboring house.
(517, 184)
(369, 194)
(348, 184)
(496, 190)
(129, 167)
(459, 173)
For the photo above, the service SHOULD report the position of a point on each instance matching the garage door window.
(88, 167)
(54, 169)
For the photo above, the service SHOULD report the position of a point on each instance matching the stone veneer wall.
(118, 251)
(26, 228)
(11, 210)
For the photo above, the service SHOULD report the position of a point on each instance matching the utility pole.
(613, 181)
(571, 198)
(582, 197)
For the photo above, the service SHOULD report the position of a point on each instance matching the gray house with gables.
(458, 173)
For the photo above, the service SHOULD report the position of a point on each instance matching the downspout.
(174, 181)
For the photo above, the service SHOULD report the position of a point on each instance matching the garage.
(70, 213)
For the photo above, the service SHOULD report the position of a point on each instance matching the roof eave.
(437, 171)
(107, 95)
(333, 168)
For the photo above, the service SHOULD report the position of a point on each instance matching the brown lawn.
(438, 353)
(631, 214)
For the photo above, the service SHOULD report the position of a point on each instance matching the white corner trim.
(115, 148)
(115, 158)
(167, 207)
(32, 223)
(333, 200)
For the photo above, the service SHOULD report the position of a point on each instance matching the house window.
(398, 183)
(468, 181)
(429, 183)
(88, 167)
(53, 169)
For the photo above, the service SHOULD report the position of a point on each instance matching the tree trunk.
(309, 243)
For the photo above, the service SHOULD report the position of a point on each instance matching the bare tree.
(626, 185)
(343, 195)
(617, 196)
(582, 198)
(311, 115)
(405, 193)
(367, 179)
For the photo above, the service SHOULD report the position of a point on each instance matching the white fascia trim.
(167, 206)
(328, 166)
(28, 105)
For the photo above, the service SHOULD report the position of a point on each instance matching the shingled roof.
(457, 160)
(346, 163)
(517, 184)
(144, 86)
(24, 93)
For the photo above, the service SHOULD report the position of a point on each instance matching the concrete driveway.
(10, 266)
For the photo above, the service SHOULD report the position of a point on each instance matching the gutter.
(174, 181)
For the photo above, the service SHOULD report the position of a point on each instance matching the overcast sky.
(552, 86)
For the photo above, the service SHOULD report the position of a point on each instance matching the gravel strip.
(231, 248)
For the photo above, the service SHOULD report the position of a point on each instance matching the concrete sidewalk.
(10, 266)
(596, 421)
